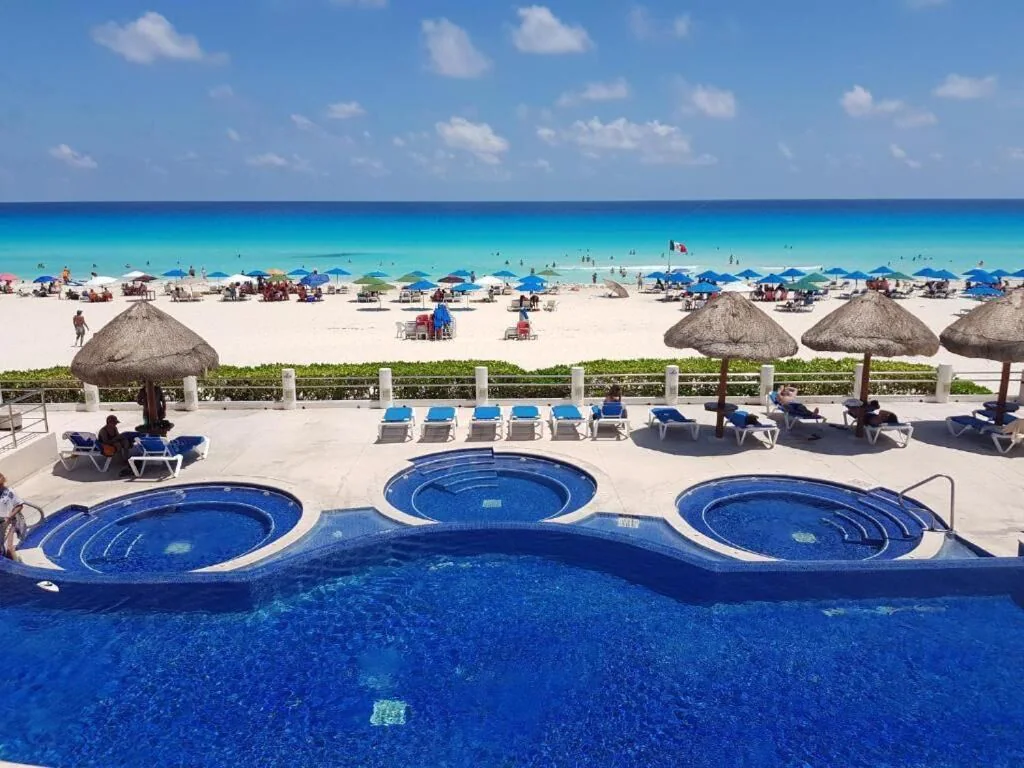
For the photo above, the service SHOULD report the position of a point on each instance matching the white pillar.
(191, 393)
(288, 396)
(482, 389)
(1020, 390)
(92, 397)
(671, 384)
(385, 391)
(943, 383)
(858, 372)
(576, 391)
(767, 380)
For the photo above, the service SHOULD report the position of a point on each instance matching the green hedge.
(454, 379)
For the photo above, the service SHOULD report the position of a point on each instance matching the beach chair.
(404, 297)
(901, 431)
(566, 416)
(83, 444)
(550, 305)
(397, 421)
(667, 418)
(1003, 441)
(525, 418)
(486, 419)
(170, 453)
(440, 421)
(791, 412)
(737, 424)
(524, 330)
(609, 415)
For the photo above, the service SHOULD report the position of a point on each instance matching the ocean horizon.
(577, 236)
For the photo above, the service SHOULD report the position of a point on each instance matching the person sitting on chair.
(871, 415)
(112, 442)
(787, 399)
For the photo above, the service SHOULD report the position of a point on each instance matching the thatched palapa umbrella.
(992, 331)
(730, 326)
(143, 344)
(871, 324)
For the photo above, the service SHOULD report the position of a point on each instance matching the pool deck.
(330, 459)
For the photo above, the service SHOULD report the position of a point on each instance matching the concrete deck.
(330, 459)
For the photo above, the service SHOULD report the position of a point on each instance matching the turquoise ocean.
(438, 238)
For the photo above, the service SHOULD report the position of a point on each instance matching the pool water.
(484, 485)
(493, 661)
(166, 531)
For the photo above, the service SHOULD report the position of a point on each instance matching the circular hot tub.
(794, 518)
(172, 530)
(484, 485)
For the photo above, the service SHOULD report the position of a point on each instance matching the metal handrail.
(952, 497)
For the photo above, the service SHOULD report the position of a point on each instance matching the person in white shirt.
(10, 505)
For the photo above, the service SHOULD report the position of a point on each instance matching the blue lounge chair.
(737, 422)
(792, 413)
(486, 418)
(441, 421)
(83, 444)
(566, 416)
(667, 418)
(170, 453)
(1003, 441)
(523, 418)
(397, 420)
(609, 415)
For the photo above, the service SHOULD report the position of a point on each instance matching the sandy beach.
(586, 325)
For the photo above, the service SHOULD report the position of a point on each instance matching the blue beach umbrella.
(45, 279)
(771, 279)
(748, 274)
(505, 273)
(256, 273)
(176, 273)
(1018, 273)
(980, 291)
(337, 272)
(982, 276)
(974, 271)
(858, 275)
(376, 274)
(703, 287)
(883, 270)
(679, 278)
(835, 271)
(298, 272)
(530, 287)
(657, 276)
(793, 272)
(945, 274)
(926, 272)
(314, 280)
(725, 277)
(533, 279)
(1000, 273)
(218, 275)
(707, 274)
(423, 285)
(461, 273)
(466, 287)
(419, 273)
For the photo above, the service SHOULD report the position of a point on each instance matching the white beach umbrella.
(132, 275)
(737, 288)
(99, 281)
(236, 279)
(490, 280)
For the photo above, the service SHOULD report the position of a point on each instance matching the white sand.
(37, 333)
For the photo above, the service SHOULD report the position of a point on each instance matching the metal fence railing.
(23, 418)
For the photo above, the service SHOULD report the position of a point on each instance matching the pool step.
(922, 516)
(107, 546)
(457, 482)
(42, 533)
(66, 537)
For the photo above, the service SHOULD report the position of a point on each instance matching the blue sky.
(461, 100)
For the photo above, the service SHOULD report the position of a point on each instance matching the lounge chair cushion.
(397, 414)
(441, 413)
(971, 422)
(525, 412)
(739, 419)
(487, 413)
(184, 444)
(670, 416)
(566, 413)
(990, 414)
(611, 410)
(81, 441)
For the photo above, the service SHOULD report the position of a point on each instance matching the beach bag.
(108, 450)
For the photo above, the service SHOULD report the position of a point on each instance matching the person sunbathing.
(872, 415)
(787, 396)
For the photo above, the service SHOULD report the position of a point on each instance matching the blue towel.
(80, 441)
(152, 444)
(441, 413)
(184, 444)
(669, 416)
(737, 418)
(487, 413)
(525, 412)
(612, 410)
(566, 412)
(397, 414)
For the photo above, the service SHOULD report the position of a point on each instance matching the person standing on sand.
(80, 328)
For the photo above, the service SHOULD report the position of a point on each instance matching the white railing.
(23, 418)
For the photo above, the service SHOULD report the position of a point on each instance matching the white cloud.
(343, 110)
(452, 53)
(370, 165)
(681, 26)
(303, 123)
(1016, 153)
(937, 156)
(148, 38)
(267, 160)
(858, 102)
(233, 134)
(548, 135)
(653, 142)
(785, 151)
(540, 164)
(398, 141)
(644, 27)
(714, 102)
(221, 92)
(610, 91)
(66, 154)
(964, 88)
(915, 118)
(901, 154)
(540, 31)
(479, 139)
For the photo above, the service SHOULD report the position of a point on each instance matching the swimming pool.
(793, 518)
(172, 530)
(493, 660)
(486, 485)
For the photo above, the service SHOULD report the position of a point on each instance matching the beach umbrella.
(771, 279)
(984, 277)
(143, 279)
(258, 273)
(871, 324)
(703, 287)
(314, 280)
(217, 275)
(883, 270)
(239, 278)
(793, 272)
(991, 331)
(451, 280)
(143, 344)
(945, 274)
(132, 275)
(816, 277)
(337, 272)
(175, 273)
(725, 277)
(616, 290)
(1000, 273)
(679, 278)
(411, 277)
(7, 277)
(422, 285)
(926, 272)
(420, 273)
(298, 272)
(550, 273)
(45, 279)
(731, 327)
(529, 287)
(378, 274)
(748, 274)
(737, 287)
(533, 279)
(804, 284)
(466, 287)
(857, 276)
(276, 272)
(461, 273)
(367, 280)
(835, 271)
(95, 282)
(656, 276)
(1018, 273)
(974, 271)
(897, 276)
(982, 291)
(505, 273)
(379, 287)
(490, 280)
(707, 274)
